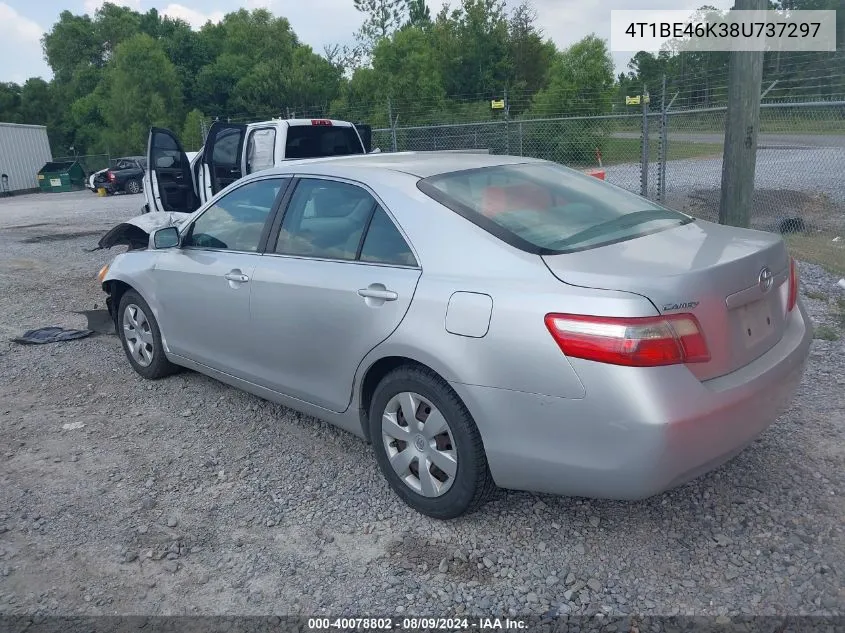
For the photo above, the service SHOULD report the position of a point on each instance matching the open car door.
(170, 182)
(222, 160)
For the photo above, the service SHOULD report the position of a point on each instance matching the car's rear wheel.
(141, 337)
(133, 186)
(427, 445)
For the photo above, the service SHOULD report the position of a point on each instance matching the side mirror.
(167, 237)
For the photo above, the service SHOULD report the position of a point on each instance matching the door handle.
(378, 293)
(237, 277)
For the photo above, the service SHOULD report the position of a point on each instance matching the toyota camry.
(482, 321)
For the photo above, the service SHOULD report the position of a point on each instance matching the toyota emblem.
(766, 279)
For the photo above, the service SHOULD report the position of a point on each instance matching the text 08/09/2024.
(416, 624)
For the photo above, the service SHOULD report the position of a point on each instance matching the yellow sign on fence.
(636, 100)
(498, 104)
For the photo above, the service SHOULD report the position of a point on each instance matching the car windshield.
(546, 208)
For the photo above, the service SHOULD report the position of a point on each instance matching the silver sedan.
(481, 320)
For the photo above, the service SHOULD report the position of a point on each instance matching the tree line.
(120, 71)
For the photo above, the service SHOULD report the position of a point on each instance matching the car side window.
(226, 147)
(235, 222)
(260, 150)
(166, 154)
(325, 219)
(384, 243)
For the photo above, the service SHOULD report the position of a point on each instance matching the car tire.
(133, 186)
(436, 493)
(141, 337)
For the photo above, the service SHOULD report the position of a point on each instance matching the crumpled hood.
(135, 233)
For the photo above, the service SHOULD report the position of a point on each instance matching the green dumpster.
(54, 177)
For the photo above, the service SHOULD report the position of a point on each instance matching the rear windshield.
(316, 141)
(547, 209)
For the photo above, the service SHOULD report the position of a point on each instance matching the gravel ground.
(185, 496)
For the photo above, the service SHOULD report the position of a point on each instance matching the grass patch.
(772, 121)
(817, 295)
(627, 150)
(819, 248)
(799, 125)
(826, 333)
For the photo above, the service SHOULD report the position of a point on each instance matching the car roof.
(419, 164)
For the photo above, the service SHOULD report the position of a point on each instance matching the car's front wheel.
(141, 337)
(133, 186)
(427, 445)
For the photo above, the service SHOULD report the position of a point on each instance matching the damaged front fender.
(135, 233)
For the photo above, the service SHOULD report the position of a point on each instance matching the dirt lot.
(185, 496)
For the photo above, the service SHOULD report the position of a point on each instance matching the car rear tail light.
(793, 285)
(111, 176)
(634, 342)
(321, 122)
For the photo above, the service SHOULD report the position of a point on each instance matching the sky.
(316, 22)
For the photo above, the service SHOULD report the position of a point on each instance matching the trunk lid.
(735, 281)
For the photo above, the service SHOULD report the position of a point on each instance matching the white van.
(174, 182)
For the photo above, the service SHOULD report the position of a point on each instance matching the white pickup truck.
(174, 182)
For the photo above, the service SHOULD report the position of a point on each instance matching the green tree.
(581, 82)
(185, 48)
(256, 35)
(41, 103)
(216, 83)
(362, 98)
(410, 75)
(10, 102)
(382, 19)
(419, 15)
(88, 132)
(473, 44)
(191, 136)
(142, 90)
(305, 80)
(71, 43)
(531, 57)
(114, 24)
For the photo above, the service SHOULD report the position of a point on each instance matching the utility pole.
(742, 122)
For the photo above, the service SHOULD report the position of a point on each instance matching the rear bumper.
(636, 432)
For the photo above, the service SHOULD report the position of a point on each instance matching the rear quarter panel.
(517, 352)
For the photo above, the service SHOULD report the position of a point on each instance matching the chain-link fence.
(676, 156)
